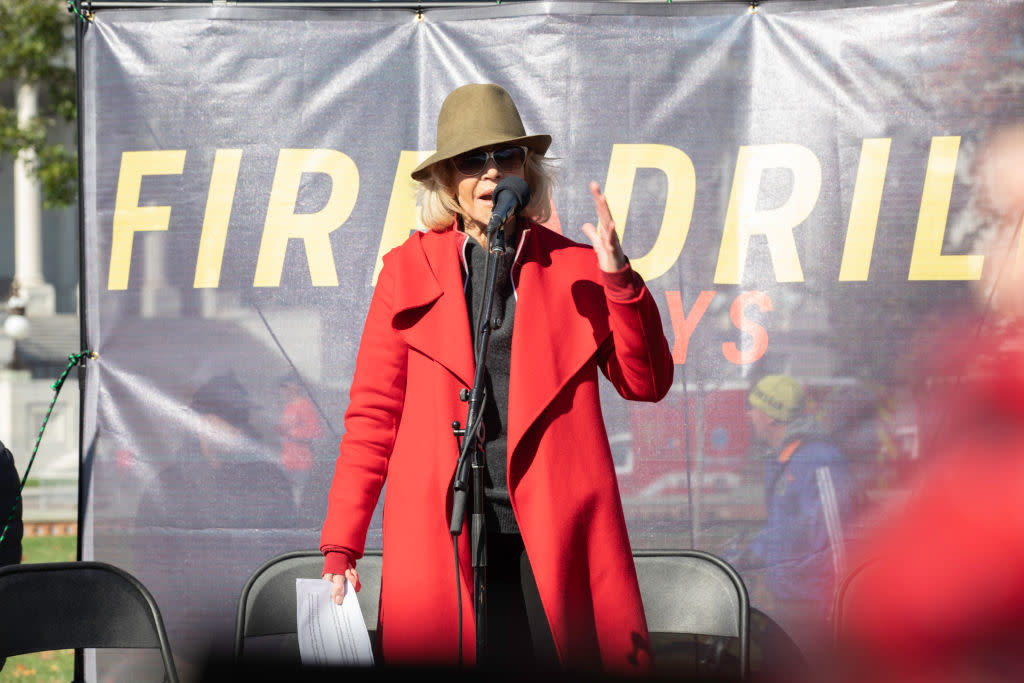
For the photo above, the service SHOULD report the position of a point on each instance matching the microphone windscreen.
(517, 186)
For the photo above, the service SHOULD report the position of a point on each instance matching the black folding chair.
(693, 601)
(266, 619)
(75, 605)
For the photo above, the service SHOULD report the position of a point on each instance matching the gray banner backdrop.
(793, 182)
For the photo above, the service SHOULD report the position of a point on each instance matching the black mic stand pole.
(471, 450)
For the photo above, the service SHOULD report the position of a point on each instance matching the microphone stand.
(471, 450)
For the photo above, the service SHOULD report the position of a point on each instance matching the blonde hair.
(436, 193)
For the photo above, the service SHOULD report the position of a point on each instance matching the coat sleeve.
(374, 412)
(636, 358)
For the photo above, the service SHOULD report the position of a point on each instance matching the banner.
(793, 181)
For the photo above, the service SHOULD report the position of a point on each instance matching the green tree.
(35, 50)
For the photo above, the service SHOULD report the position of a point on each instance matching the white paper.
(330, 634)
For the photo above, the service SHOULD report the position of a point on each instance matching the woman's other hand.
(338, 583)
(604, 238)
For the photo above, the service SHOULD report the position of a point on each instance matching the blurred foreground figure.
(945, 599)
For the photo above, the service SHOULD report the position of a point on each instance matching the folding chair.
(847, 593)
(267, 611)
(74, 605)
(697, 593)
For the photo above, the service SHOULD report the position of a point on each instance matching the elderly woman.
(561, 583)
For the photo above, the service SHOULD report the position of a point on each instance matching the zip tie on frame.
(85, 16)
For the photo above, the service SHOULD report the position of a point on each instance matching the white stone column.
(157, 298)
(28, 218)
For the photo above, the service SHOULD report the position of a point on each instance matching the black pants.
(518, 635)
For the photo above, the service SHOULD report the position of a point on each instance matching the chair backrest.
(694, 592)
(683, 591)
(73, 605)
(267, 604)
(846, 594)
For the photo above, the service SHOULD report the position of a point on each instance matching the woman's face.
(474, 191)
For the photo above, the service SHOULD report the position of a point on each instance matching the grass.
(36, 549)
(45, 667)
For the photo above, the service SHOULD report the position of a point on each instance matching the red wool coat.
(414, 358)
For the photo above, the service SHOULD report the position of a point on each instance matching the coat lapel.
(561, 316)
(561, 320)
(430, 307)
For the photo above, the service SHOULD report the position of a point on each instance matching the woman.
(561, 580)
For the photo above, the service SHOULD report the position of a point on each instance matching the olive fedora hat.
(478, 115)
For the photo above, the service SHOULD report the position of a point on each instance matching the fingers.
(591, 232)
(605, 224)
(338, 584)
(337, 587)
(603, 236)
(353, 577)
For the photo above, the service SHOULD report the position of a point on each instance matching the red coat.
(414, 358)
(944, 600)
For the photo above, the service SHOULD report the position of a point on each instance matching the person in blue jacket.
(809, 497)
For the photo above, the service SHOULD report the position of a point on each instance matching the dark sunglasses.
(507, 159)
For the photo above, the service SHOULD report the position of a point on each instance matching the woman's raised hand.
(604, 238)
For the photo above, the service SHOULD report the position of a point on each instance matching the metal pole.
(383, 4)
(80, 26)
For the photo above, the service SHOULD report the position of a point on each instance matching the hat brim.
(536, 143)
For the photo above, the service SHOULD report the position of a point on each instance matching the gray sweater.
(497, 501)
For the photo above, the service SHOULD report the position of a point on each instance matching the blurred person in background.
(219, 482)
(198, 516)
(809, 497)
(943, 598)
(300, 428)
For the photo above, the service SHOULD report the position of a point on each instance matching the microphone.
(510, 195)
